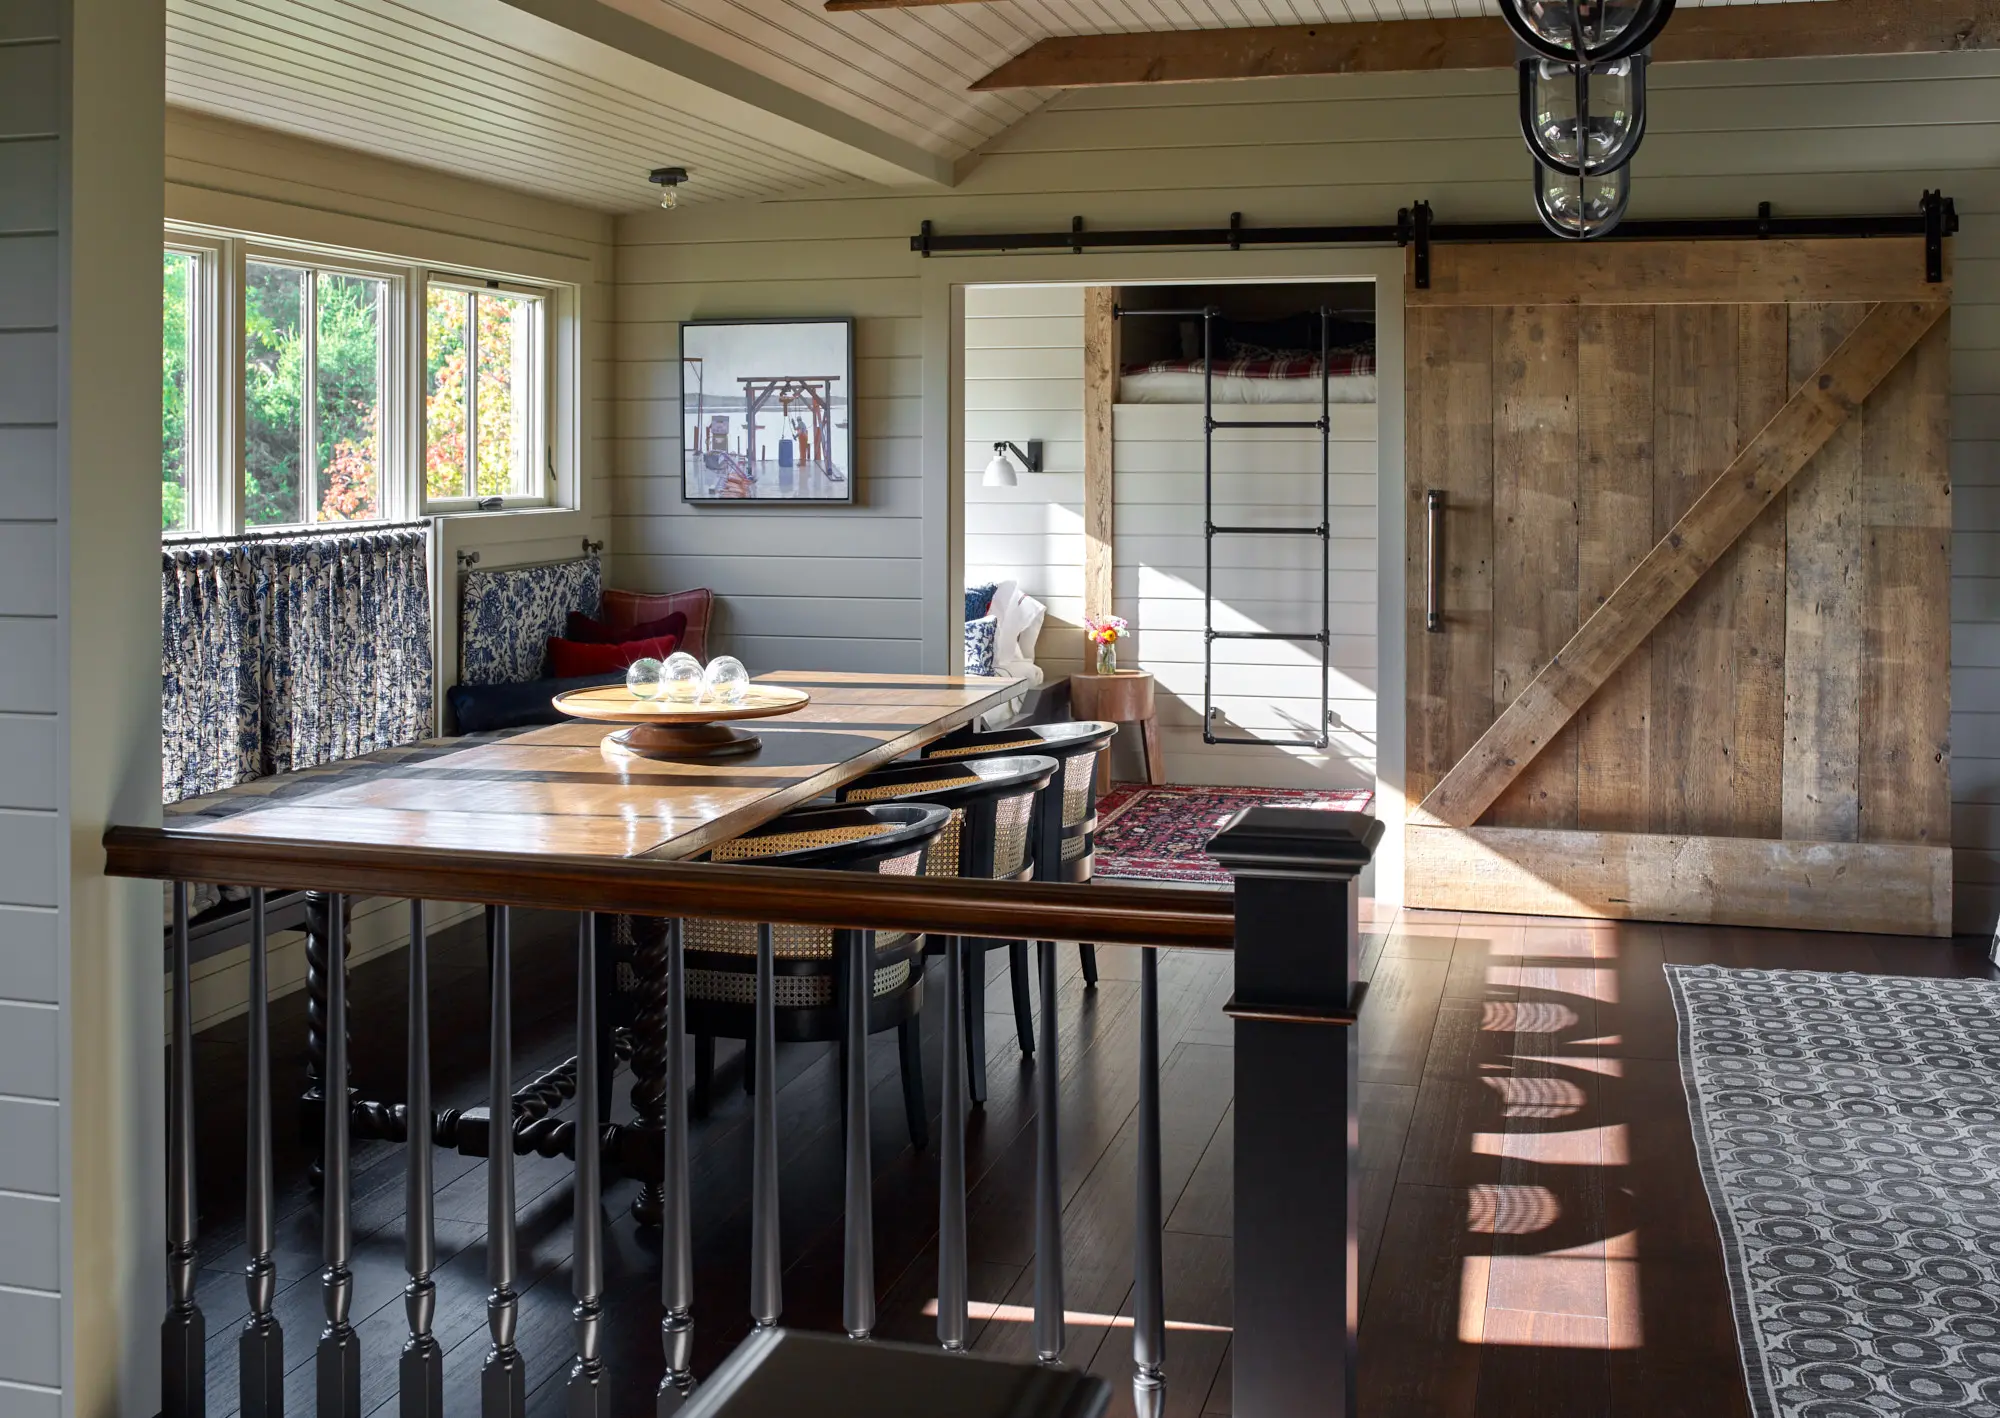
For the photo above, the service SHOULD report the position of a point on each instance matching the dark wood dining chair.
(1065, 829)
(811, 960)
(992, 803)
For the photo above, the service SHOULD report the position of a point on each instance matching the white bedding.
(1185, 388)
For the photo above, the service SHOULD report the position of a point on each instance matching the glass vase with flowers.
(1105, 632)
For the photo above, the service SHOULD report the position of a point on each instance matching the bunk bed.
(1272, 361)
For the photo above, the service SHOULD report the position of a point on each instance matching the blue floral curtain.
(507, 614)
(287, 652)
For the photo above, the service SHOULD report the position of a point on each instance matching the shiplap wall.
(1024, 379)
(229, 174)
(1827, 136)
(33, 697)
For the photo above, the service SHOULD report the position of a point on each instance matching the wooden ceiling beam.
(1823, 29)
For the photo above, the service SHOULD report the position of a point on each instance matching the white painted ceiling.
(471, 86)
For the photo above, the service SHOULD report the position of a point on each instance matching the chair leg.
(1024, 1009)
(909, 1040)
(975, 1025)
(1088, 955)
(704, 1074)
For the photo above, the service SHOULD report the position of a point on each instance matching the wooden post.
(1100, 392)
(1298, 957)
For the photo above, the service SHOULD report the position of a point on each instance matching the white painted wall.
(875, 588)
(1024, 379)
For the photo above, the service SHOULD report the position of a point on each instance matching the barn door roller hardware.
(1934, 220)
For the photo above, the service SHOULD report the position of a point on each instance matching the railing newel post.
(502, 1378)
(766, 1263)
(858, 1260)
(1297, 995)
(1049, 1337)
(1149, 1325)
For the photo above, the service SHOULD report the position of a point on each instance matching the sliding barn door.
(1679, 583)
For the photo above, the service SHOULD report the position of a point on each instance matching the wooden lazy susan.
(662, 728)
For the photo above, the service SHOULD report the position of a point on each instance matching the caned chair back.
(991, 801)
(1066, 818)
(892, 839)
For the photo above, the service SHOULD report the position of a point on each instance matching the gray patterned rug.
(1848, 1128)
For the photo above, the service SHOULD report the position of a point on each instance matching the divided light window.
(305, 387)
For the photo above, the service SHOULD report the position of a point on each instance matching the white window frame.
(215, 458)
(540, 418)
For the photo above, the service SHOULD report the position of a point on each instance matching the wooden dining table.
(520, 798)
(560, 790)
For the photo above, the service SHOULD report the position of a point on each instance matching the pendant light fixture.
(1582, 75)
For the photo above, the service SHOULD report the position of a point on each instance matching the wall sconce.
(1000, 472)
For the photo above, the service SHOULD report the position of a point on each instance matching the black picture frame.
(757, 432)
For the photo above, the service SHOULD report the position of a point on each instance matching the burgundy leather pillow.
(623, 609)
(584, 630)
(570, 658)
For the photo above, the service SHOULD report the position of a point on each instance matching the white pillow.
(1019, 628)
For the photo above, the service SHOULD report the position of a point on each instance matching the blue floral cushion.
(979, 600)
(506, 616)
(979, 644)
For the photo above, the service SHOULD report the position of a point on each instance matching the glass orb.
(642, 678)
(725, 681)
(1613, 99)
(1581, 207)
(680, 678)
(1587, 29)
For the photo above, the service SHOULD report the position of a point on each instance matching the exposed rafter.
(1830, 27)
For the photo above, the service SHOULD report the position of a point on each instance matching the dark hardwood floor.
(1535, 1236)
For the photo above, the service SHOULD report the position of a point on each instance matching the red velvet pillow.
(570, 658)
(623, 609)
(584, 630)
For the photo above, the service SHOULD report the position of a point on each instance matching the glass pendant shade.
(1580, 208)
(1593, 30)
(1588, 121)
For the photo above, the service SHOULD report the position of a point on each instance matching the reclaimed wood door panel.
(1789, 683)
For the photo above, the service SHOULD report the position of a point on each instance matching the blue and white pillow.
(979, 636)
(979, 600)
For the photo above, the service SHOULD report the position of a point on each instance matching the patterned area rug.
(1849, 1134)
(1161, 834)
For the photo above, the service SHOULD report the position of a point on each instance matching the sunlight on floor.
(1525, 1017)
(1536, 1097)
(1023, 1314)
(1604, 1146)
(1586, 1297)
(1493, 1210)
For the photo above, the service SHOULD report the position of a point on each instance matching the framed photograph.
(767, 411)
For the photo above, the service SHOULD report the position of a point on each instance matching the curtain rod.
(196, 539)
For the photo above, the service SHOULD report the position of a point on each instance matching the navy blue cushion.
(979, 599)
(477, 708)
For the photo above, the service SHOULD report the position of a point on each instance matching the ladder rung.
(1265, 743)
(1318, 635)
(1267, 423)
(1319, 531)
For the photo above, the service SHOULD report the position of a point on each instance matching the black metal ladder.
(1323, 637)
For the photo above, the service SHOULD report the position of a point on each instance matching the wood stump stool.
(1122, 697)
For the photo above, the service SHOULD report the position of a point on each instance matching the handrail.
(1101, 913)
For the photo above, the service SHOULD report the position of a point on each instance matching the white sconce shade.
(999, 472)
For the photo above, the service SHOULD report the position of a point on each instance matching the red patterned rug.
(1161, 834)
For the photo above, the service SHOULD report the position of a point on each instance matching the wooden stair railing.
(1292, 922)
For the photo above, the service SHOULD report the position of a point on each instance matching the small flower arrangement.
(1105, 632)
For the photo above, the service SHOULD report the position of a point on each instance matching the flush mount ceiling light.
(669, 180)
(1583, 103)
